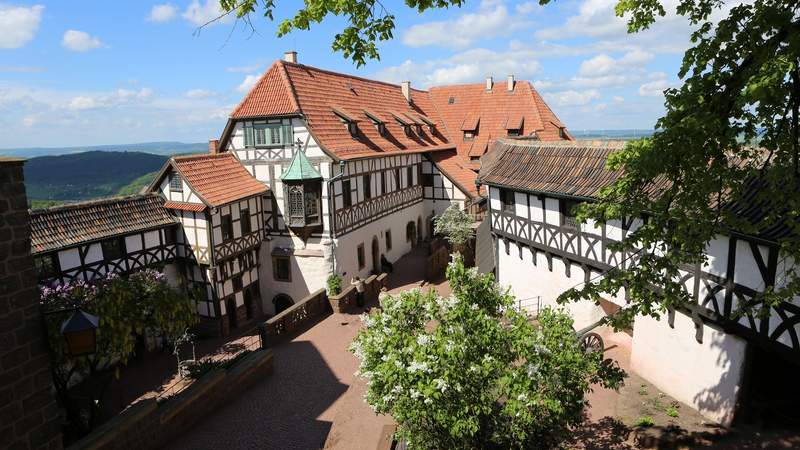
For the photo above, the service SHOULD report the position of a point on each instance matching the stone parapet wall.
(29, 417)
(345, 301)
(292, 318)
(149, 425)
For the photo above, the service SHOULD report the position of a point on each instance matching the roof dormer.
(404, 122)
(350, 122)
(380, 125)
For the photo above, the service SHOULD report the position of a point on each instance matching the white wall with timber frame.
(738, 268)
(439, 191)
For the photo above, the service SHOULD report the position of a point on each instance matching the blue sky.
(76, 72)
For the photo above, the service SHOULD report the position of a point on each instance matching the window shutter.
(248, 135)
(287, 134)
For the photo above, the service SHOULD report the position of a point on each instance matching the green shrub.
(645, 421)
(334, 284)
(672, 411)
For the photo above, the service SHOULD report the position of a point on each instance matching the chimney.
(510, 86)
(489, 83)
(405, 86)
(213, 146)
(290, 56)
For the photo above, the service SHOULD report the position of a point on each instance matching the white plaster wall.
(309, 273)
(186, 195)
(703, 375)
(347, 245)
(527, 280)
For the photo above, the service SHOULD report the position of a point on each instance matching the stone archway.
(282, 302)
(376, 257)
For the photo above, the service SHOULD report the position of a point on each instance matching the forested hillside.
(87, 175)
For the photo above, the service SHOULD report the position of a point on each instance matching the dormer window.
(347, 120)
(404, 122)
(380, 125)
(267, 134)
(429, 123)
(451, 100)
(562, 132)
(514, 125)
(470, 127)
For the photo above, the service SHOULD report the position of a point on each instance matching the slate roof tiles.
(69, 225)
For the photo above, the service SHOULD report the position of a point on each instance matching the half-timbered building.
(220, 208)
(369, 163)
(704, 356)
(88, 240)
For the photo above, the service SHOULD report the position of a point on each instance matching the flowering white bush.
(469, 372)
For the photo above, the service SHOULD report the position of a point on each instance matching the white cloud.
(199, 14)
(605, 71)
(21, 69)
(654, 88)
(247, 84)
(527, 7)
(572, 97)
(491, 20)
(199, 93)
(162, 13)
(467, 66)
(80, 41)
(82, 102)
(617, 99)
(18, 24)
(244, 69)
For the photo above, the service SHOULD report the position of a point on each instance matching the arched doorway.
(376, 260)
(230, 306)
(282, 302)
(411, 233)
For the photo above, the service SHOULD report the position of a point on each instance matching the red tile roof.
(80, 223)
(492, 111)
(457, 168)
(183, 206)
(218, 178)
(287, 87)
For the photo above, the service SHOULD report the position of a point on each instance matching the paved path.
(313, 399)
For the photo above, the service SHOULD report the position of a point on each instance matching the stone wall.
(436, 263)
(345, 301)
(294, 317)
(148, 424)
(29, 417)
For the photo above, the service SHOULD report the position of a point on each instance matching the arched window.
(295, 202)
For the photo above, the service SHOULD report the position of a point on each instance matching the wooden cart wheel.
(592, 342)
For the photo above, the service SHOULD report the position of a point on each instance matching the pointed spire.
(300, 169)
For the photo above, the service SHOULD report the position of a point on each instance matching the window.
(296, 206)
(451, 100)
(507, 198)
(46, 266)
(367, 179)
(396, 179)
(352, 128)
(113, 248)
(361, 258)
(427, 179)
(347, 200)
(562, 132)
(311, 205)
(514, 132)
(267, 135)
(281, 268)
(227, 228)
(568, 214)
(384, 174)
(409, 176)
(175, 184)
(244, 217)
(469, 135)
(237, 283)
(475, 158)
(170, 235)
(388, 239)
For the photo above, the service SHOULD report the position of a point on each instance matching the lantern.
(80, 332)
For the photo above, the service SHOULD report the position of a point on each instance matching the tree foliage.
(127, 307)
(468, 371)
(727, 143)
(369, 21)
(455, 225)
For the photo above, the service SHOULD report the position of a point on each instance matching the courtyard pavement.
(313, 399)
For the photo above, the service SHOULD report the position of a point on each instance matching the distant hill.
(156, 148)
(87, 175)
(625, 135)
